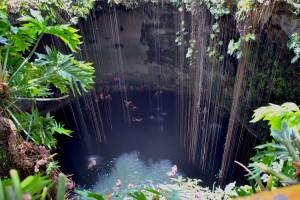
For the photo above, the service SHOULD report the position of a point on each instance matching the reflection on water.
(130, 169)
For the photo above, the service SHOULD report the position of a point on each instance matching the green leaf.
(66, 34)
(87, 194)
(240, 192)
(153, 191)
(137, 195)
(276, 153)
(285, 130)
(1, 190)
(35, 184)
(72, 72)
(277, 135)
(270, 183)
(276, 146)
(290, 106)
(61, 188)
(36, 22)
(10, 193)
(16, 184)
(3, 40)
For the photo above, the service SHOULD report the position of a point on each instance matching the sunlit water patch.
(130, 169)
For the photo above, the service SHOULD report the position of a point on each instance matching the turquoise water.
(130, 169)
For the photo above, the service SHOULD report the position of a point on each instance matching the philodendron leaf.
(276, 153)
(3, 40)
(290, 106)
(65, 70)
(67, 34)
(273, 145)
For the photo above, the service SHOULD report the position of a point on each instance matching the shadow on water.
(137, 152)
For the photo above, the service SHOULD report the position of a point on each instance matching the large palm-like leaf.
(64, 70)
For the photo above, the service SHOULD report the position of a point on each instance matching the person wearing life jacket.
(116, 80)
(108, 197)
(127, 103)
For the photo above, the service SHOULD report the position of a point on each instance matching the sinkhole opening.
(139, 152)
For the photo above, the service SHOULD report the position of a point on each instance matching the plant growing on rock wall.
(61, 11)
(294, 44)
(22, 79)
(42, 129)
(26, 75)
(277, 163)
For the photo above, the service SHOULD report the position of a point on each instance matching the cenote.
(152, 106)
(138, 153)
(158, 95)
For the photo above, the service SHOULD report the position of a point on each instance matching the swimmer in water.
(92, 163)
(108, 97)
(130, 186)
(137, 119)
(174, 169)
(118, 185)
(127, 103)
(158, 92)
(171, 174)
(151, 117)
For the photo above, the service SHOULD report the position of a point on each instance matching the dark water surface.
(138, 153)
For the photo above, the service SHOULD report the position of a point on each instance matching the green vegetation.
(294, 44)
(72, 8)
(23, 78)
(26, 75)
(182, 189)
(33, 187)
(276, 162)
